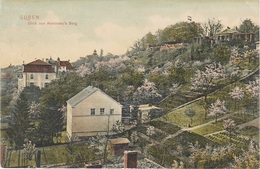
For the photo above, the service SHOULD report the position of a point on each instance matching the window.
(31, 76)
(31, 84)
(46, 76)
(92, 111)
(46, 85)
(102, 111)
(112, 111)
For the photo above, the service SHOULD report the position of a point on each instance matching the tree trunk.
(19, 152)
(206, 105)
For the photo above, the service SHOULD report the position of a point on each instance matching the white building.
(144, 112)
(37, 73)
(92, 112)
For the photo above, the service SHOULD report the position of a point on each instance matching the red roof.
(66, 64)
(38, 66)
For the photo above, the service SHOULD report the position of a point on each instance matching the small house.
(92, 112)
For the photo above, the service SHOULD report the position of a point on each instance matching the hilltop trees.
(247, 26)
(180, 32)
(211, 27)
(149, 38)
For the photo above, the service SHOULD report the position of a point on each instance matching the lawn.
(210, 128)
(53, 155)
(179, 118)
(166, 127)
(250, 131)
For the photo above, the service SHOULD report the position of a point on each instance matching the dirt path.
(254, 122)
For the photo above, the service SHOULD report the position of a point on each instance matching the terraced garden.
(224, 139)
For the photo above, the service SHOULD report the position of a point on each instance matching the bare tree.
(212, 27)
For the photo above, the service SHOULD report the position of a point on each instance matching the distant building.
(144, 112)
(41, 73)
(229, 35)
(63, 66)
(92, 112)
(37, 73)
(59, 66)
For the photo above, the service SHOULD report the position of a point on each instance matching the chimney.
(130, 159)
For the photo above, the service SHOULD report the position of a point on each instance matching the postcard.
(129, 84)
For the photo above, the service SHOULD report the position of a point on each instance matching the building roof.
(84, 94)
(230, 31)
(38, 66)
(119, 141)
(147, 107)
(66, 64)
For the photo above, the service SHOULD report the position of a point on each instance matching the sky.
(73, 29)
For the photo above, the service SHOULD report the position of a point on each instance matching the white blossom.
(203, 80)
(34, 109)
(141, 69)
(147, 91)
(237, 93)
(217, 109)
(253, 88)
(84, 70)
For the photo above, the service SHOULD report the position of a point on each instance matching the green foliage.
(162, 155)
(19, 126)
(132, 77)
(247, 26)
(51, 120)
(179, 74)
(180, 32)
(190, 113)
(163, 82)
(63, 88)
(222, 54)
(149, 38)
(32, 93)
(5, 101)
(166, 127)
(250, 131)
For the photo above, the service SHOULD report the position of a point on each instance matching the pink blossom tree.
(237, 94)
(216, 109)
(205, 81)
(83, 70)
(253, 88)
(147, 92)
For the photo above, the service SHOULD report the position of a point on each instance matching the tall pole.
(107, 137)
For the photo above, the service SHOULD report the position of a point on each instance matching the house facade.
(37, 73)
(92, 112)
